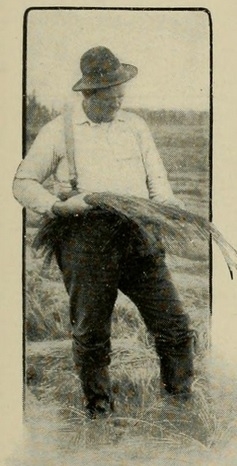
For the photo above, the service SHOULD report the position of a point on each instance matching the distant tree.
(172, 117)
(37, 115)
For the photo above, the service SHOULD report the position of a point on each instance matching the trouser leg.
(147, 281)
(90, 266)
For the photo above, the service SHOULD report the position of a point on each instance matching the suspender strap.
(69, 142)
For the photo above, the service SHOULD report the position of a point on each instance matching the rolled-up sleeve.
(40, 162)
(157, 182)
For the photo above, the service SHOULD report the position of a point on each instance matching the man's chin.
(108, 118)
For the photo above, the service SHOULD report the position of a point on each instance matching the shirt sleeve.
(40, 162)
(157, 182)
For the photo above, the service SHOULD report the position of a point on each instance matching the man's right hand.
(72, 206)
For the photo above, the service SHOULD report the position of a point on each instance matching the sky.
(170, 49)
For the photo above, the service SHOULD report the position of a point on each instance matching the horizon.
(128, 107)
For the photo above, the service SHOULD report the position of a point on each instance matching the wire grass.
(176, 226)
(139, 408)
(140, 415)
(143, 425)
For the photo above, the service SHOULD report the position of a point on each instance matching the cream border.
(225, 191)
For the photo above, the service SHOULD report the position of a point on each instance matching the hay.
(176, 226)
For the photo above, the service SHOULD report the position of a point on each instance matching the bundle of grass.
(177, 227)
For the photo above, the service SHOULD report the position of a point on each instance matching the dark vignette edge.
(24, 83)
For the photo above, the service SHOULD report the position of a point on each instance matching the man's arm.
(40, 162)
(157, 181)
(32, 195)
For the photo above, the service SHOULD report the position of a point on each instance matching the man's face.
(104, 104)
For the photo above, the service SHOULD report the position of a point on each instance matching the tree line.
(37, 115)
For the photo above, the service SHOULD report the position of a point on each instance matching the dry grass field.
(144, 429)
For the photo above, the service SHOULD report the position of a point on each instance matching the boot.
(176, 371)
(99, 408)
(97, 390)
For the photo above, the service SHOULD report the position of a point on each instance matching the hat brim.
(123, 74)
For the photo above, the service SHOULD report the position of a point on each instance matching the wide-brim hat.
(100, 69)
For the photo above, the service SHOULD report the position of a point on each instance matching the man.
(97, 147)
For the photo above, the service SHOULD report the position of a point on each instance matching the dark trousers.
(99, 254)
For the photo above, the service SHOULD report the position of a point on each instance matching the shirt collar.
(81, 118)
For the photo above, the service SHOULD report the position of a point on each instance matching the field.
(144, 429)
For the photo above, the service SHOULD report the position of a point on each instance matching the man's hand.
(72, 206)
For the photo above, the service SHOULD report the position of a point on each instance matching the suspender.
(69, 143)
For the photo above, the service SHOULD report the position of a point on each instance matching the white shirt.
(119, 157)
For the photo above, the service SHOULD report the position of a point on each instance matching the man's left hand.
(72, 206)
